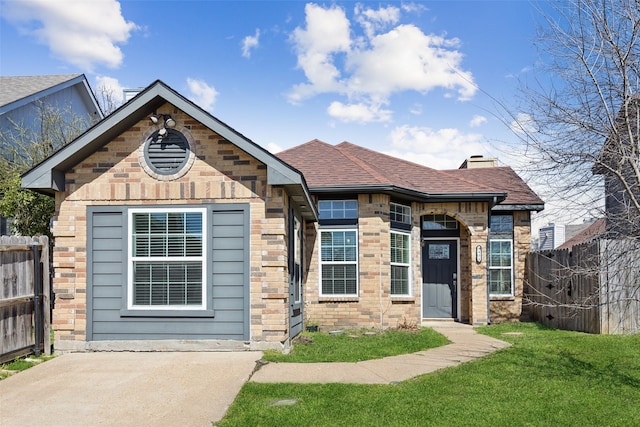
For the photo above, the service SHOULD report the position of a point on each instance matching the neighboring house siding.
(68, 102)
(227, 281)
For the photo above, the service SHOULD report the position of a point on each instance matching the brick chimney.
(479, 161)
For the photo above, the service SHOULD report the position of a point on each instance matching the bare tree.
(107, 99)
(22, 146)
(580, 123)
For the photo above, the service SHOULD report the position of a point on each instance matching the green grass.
(20, 364)
(546, 378)
(354, 346)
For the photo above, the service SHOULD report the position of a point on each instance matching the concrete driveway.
(126, 389)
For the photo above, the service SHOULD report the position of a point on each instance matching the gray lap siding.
(227, 281)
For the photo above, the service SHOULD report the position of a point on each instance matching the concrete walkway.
(466, 345)
(126, 389)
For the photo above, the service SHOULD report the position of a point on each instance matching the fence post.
(37, 291)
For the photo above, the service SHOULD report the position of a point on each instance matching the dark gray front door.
(439, 279)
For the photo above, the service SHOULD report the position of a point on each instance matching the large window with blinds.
(166, 259)
(339, 262)
(338, 247)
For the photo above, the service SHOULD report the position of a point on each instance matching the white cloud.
(369, 69)
(477, 121)
(326, 35)
(111, 88)
(85, 34)
(441, 149)
(413, 7)
(249, 43)
(407, 59)
(274, 148)
(201, 93)
(375, 20)
(360, 113)
(523, 124)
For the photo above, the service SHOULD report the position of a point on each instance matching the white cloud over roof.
(85, 34)
(368, 69)
(434, 147)
(111, 88)
(201, 93)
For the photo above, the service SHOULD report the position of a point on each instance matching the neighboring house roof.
(49, 175)
(348, 167)
(16, 91)
(618, 148)
(592, 232)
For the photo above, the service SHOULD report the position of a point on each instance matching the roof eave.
(414, 195)
(519, 207)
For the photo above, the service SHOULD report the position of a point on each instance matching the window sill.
(402, 299)
(502, 298)
(166, 313)
(339, 299)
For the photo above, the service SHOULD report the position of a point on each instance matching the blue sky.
(411, 79)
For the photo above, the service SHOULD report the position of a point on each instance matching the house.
(552, 236)
(23, 98)
(174, 231)
(593, 230)
(619, 164)
(399, 242)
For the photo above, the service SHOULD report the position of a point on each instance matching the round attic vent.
(166, 155)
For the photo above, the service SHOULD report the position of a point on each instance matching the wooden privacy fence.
(25, 314)
(594, 287)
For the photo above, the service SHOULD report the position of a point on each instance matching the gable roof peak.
(49, 175)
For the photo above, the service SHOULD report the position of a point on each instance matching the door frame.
(423, 247)
(295, 274)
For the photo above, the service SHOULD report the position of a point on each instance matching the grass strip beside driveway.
(547, 377)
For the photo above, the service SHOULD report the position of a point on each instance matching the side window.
(400, 264)
(400, 216)
(500, 260)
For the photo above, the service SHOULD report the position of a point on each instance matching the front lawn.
(354, 346)
(546, 378)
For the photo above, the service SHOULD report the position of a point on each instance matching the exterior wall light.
(478, 254)
(167, 122)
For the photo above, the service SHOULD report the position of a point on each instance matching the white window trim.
(344, 211)
(297, 252)
(399, 264)
(356, 262)
(408, 207)
(489, 268)
(131, 259)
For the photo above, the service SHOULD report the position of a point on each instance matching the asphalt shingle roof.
(349, 165)
(14, 88)
(592, 232)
